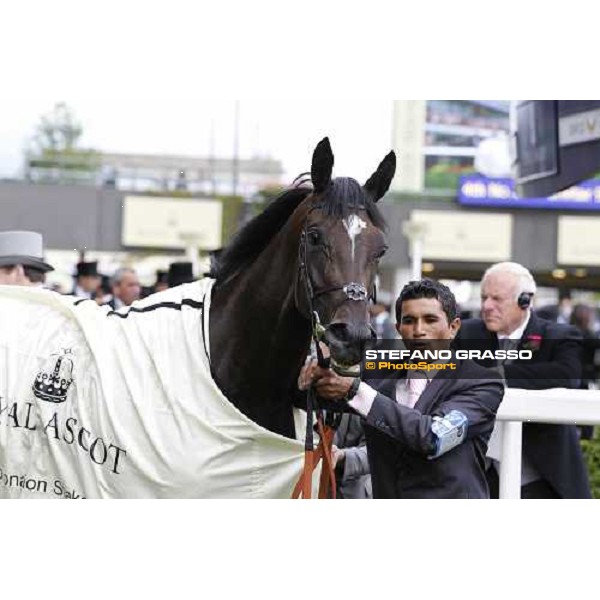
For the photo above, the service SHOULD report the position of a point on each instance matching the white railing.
(559, 405)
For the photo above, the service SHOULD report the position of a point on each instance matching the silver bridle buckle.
(356, 292)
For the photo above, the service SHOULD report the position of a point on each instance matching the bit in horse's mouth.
(345, 370)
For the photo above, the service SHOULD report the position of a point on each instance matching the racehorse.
(129, 404)
(306, 264)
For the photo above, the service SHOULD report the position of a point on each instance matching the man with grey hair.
(22, 258)
(552, 462)
(125, 287)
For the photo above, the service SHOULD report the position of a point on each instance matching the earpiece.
(524, 300)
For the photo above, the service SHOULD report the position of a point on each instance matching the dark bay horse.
(315, 249)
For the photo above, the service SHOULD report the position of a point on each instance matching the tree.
(58, 130)
(55, 154)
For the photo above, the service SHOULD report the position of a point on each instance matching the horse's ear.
(322, 165)
(378, 184)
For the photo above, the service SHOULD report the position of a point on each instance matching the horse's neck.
(259, 341)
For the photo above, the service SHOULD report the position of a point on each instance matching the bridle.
(328, 423)
(357, 292)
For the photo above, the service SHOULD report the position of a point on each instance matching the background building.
(436, 140)
(150, 172)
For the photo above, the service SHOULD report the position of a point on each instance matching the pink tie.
(416, 386)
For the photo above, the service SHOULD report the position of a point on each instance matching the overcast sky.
(155, 78)
(144, 121)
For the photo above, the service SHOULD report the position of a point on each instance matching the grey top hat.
(23, 248)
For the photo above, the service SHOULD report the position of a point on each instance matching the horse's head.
(341, 243)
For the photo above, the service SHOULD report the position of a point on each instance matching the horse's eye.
(380, 254)
(314, 237)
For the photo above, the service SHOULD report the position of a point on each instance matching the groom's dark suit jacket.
(400, 440)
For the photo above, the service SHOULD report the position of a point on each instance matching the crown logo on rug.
(53, 381)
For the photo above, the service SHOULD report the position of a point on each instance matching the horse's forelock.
(345, 196)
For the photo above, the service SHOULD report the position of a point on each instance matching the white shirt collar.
(517, 334)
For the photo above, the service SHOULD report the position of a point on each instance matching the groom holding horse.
(427, 432)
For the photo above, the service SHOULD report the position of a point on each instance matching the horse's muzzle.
(346, 343)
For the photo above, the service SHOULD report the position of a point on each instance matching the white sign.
(582, 127)
(579, 241)
(171, 223)
(476, 237)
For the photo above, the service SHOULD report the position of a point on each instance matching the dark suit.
(400, 440)
(352, 475)
(553, 450)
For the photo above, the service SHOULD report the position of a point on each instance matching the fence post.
(510, 460)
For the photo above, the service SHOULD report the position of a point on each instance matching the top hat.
(23, 248)
(87, 269)
(179, 273)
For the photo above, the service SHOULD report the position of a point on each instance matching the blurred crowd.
(22, 263)
(123, 287)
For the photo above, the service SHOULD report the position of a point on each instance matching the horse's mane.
(343, 196)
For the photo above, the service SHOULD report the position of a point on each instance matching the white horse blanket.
(123, 405)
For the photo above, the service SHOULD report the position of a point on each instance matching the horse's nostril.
(340, 331)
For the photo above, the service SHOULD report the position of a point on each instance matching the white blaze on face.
(354, 225)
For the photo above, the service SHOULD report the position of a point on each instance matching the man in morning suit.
(552, 462)
(427, 431)
(125, 287)
(87, 280)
